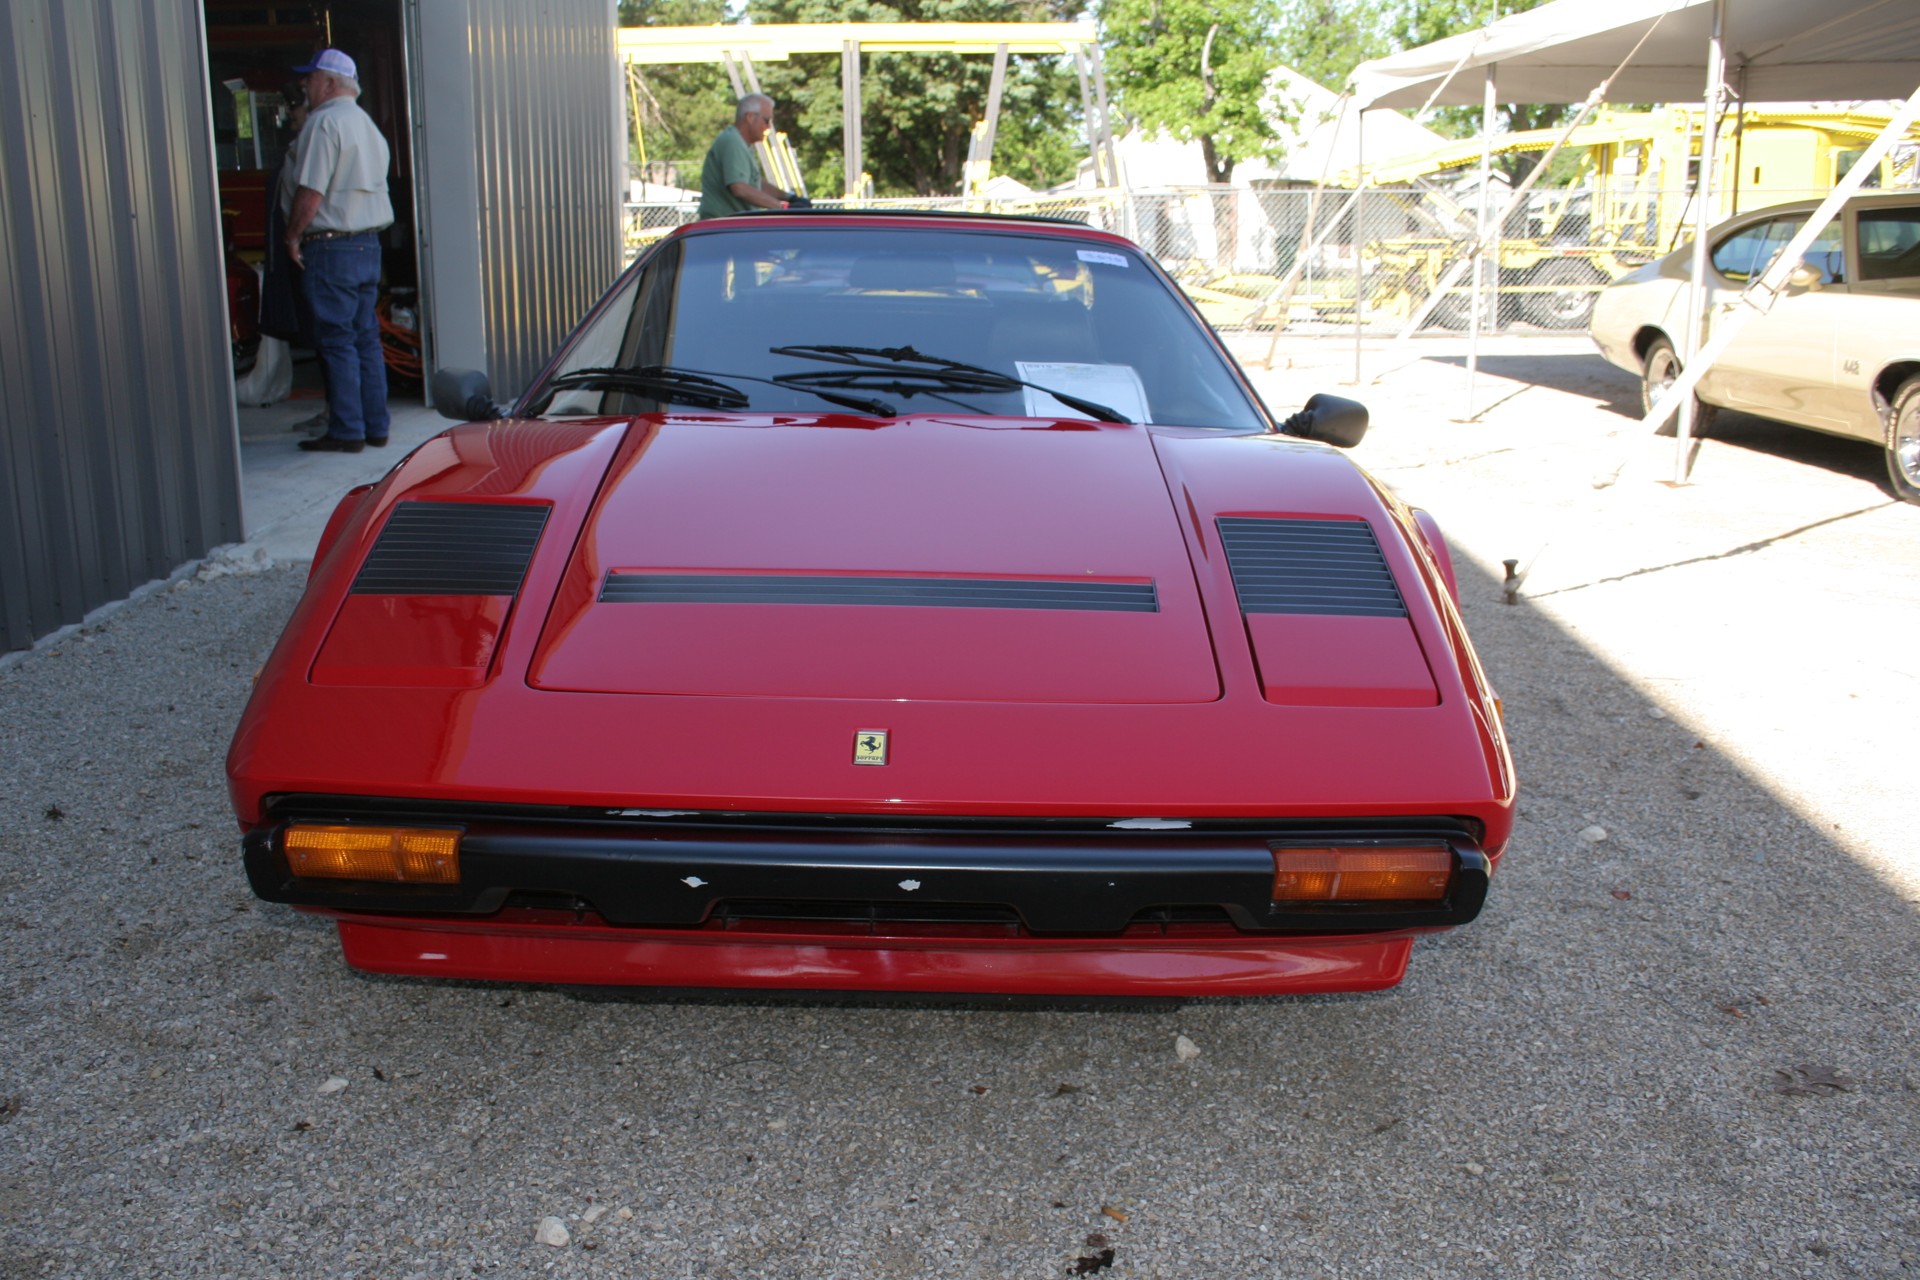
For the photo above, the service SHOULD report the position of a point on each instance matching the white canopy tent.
(1672, 50)
(1776, 51)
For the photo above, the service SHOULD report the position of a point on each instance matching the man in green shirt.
(730, 179)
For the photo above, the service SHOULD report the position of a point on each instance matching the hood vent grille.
(962, 593)
(452, 549)
(1309, 566)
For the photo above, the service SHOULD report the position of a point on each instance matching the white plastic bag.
(271, 377)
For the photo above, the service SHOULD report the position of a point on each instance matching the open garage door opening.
(257, 110)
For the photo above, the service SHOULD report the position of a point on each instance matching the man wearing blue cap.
(340, 206)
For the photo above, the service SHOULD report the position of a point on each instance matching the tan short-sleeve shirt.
(344, 158)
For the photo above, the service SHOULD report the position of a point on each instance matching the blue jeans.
(342, 282)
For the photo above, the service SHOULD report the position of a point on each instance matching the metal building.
(119, 443)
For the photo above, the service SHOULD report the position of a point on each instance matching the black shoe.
(381, 443)
(333, 444)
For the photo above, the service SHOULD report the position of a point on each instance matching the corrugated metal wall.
(118, 436)
(521, 141)
(119, 450)
(119, 455)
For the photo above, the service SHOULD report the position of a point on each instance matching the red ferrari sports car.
(906, 603)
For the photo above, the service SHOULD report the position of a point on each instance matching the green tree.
(918, 110)
(682, 106)
(1196, 70)
(1324, 40)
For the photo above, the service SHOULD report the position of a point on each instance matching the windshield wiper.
(873, 366)
(662, 382)
(688, 386)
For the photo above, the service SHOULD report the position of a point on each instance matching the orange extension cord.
(401, 346)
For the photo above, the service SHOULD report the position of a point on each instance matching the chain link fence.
(1324, 260)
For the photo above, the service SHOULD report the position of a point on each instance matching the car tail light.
(410, 855)
(1362, 873)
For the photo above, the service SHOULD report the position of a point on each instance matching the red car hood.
(845, 562)
(581, 689)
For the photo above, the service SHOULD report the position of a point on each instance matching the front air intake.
(452, 549)
(1326, 567)
(952, 593)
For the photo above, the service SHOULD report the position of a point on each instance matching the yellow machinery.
(1631, 203)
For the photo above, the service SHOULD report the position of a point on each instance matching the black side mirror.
(464, 395)
(1329, 419)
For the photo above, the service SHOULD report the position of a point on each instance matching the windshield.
(1086, 318)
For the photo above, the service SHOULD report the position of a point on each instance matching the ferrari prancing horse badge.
(870, 746)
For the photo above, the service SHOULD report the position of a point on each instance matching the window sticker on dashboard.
(1116, 386)
(1104, 258)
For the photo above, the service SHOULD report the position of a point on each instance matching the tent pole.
(1486, 196)
(1737, 98)
(995, 87)
(1284, 294)
(852, 159)
(1086, 116)
(1097, 61)
(1697, 309)
(1359, 237)
(1515, 198)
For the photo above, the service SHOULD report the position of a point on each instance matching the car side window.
(1746, 253)
(627, 329)
(1889, 243)
(1827, 253)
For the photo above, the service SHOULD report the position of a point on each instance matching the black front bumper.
(1048, 877)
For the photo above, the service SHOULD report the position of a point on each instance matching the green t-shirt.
(729, 160)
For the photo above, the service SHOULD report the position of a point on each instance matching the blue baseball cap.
(332, 60)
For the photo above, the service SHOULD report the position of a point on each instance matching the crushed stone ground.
(1684, 1049)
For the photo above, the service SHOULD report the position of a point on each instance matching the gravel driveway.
(1680, 1042)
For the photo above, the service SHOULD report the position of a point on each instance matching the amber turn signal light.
(1362, 873)
(409, 855)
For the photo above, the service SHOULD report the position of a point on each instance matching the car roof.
(1857, 199)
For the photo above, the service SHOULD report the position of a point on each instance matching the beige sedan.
(1839, 350)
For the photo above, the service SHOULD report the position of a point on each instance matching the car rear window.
(1089, 316)
(1889, 243)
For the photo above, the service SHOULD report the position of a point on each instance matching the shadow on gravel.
(1581, 375)
(1857, 458)
(1619, 391)
(1680, 1046)
(1743, 549)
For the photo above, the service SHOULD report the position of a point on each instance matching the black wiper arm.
(663, 382)
(865, 404)
(955, 375)
(909, 383)
(691, 386)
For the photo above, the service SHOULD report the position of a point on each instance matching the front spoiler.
(684, 871)
(1145, 961)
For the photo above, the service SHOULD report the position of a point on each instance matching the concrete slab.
(287, 495)
(1766, 608)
